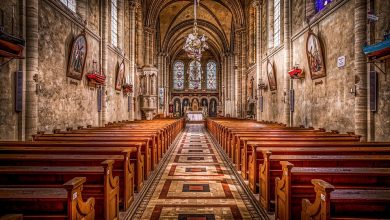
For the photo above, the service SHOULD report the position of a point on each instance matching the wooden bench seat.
(79, 148)
(241, 151)
(157, 139)
(271, 168)
(146, 144)
(255, 151)
(100, 183)
(123, 167)
(65, 202)
(295, 184)
(331, 203)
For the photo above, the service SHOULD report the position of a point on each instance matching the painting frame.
(120, 74)
(75, 68)
(271, 74)
(315, 60)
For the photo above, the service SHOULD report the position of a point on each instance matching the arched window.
(71, 4)
(195, 73)
(211, 75)
(321, 4)
(114, 22)
(178, 75)
(276, 23)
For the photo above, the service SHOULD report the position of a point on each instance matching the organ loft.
(194, 109)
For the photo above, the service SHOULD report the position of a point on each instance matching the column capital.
(149, 30)
(256, 3)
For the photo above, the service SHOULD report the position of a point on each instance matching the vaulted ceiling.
(173, 19)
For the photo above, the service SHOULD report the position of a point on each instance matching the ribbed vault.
(217, 19)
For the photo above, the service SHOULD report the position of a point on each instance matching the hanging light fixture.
(195, 44)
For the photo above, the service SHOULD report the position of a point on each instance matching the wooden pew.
(123, 167)
(242, 150)
(270, 169)
(255, 152)
(65, 202)
(79, 148)
(12, 217)
(146, 144)
(100, 184)
(295, 184)
(331, 203)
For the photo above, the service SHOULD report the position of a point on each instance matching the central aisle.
(196, 183)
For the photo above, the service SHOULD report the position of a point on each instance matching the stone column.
(104, 45)
(146, 47)
(167, 84)
(287, 61)
(232, 86)
(244, 75)
(237, 76)
(132, 45)
(360, 69)
(32, 54)
(140, 37)
(259, 76)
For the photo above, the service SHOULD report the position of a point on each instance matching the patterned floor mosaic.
(196, 183)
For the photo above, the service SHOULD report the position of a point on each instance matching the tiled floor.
(196, 183)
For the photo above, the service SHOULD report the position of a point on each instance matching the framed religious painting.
(271, 76)
(119, 76)
(315, 56)
(77, 56)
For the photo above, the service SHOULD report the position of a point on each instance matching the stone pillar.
(287, 61)
(232, 87)
(146, 47)
(140, 37)
(238, 73)
(244, 75)
(104, 43)
(259, 76)
(167, 84)
(32, 54)
(360, 69)
(132, 45)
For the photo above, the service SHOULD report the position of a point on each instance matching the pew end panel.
(320, 208)
(282, 192)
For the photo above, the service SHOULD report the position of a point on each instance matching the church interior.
(194, 109)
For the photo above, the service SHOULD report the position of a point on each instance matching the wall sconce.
(353, 90)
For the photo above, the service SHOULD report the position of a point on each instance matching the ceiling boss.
(195, 44)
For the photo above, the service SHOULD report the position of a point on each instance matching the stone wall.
(326, 102)
(9, 119)
(64, 102)
(381, 119)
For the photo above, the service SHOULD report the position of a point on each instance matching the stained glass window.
(195, 73)
(178, 75)
(276, 23)
(211, 75)
(114, 22)
(321, 4)
(71, 4)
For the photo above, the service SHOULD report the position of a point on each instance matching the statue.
(195, 105)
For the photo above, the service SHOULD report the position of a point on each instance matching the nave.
(197, 182)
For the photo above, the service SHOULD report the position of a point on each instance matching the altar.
(195, 116)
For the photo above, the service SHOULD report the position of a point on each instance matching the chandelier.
(195, 44)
